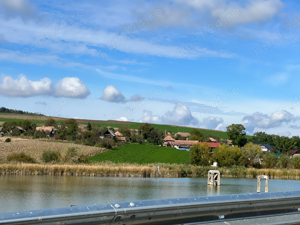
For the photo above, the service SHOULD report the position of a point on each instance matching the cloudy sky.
(197, 63)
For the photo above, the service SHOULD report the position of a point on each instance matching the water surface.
(40, 192)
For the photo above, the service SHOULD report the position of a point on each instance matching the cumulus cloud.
(148, 117)
(122, 118)
(180, 115)
(285, 134)
(41, 103)
(294, 126)
(112, 94)
(71, 87)
(22, 87)
(264, 121)
(215, 123)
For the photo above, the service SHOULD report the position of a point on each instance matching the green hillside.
(142, 154)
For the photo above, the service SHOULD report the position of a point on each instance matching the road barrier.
(196, 210)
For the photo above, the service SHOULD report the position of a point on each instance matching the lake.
(40, 192)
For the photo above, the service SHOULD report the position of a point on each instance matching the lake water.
(40, 192)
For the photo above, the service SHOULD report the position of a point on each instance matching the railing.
(279, 206)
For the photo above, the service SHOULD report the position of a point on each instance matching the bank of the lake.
(147, 170)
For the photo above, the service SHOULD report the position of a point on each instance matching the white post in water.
(265, 177)
(213, 177)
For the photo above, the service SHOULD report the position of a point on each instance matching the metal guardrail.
(196, 210)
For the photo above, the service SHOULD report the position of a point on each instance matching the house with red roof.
(295, 152)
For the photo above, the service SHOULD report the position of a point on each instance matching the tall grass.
(108, 169)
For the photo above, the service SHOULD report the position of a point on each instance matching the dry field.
(35, 148)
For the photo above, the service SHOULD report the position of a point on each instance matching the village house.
(108, 134)
(213, 140)
(120, 136)
(212, 145)
(19, 128)
(168, 141)
(266, 148)
(49, 130)
(1, 133)
(295, 153)
(183, 134)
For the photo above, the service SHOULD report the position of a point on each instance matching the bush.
(40, 134)
(71, 155)
(284, 161)
(20, 157)
(16, 132)
(107, 143)
(7, 140)
(296, 162)
(270, 160)
(251, 153)
(50, 156)
(83, 159)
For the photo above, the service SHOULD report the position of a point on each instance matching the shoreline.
(142, 171)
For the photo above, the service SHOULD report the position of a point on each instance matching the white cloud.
(71, 87)
(112, 94)
(232, 13)
(264, 121)
(285, 134)
(22, 87)
(215, 123)
(122, 118)
(149, 118)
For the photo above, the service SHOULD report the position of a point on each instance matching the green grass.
(142, 154)
(20, 120)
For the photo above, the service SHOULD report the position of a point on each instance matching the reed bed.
(109, 169)
(35, 147)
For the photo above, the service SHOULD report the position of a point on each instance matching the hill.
(109, 123)
(142, 154)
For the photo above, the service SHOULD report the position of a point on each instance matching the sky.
(205, 64)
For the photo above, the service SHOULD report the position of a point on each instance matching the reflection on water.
(37, 192)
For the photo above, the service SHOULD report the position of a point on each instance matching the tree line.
(15, 111)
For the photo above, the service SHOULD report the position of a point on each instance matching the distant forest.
(6, 110)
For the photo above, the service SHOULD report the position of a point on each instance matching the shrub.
(83, 159)
(20, 157)
(107, 143)
(296, 162)
(39, 134)
(71, 155)
(16, 132)
(51, 156)
(7, 140)
(284, 161)
(270, 160)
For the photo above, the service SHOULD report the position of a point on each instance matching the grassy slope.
(142, 154)
(174, 129)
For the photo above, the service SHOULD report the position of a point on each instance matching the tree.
(200, 154)
(251, 153)
(50, 122)
(227, 155)
(125, 130)
(236, 133)
(196, 135)
(156, 137)
(145, 130)
(89, 126)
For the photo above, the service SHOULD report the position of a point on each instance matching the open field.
(142, 154)
(35, 147)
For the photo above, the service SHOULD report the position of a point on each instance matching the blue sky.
(196, 63)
